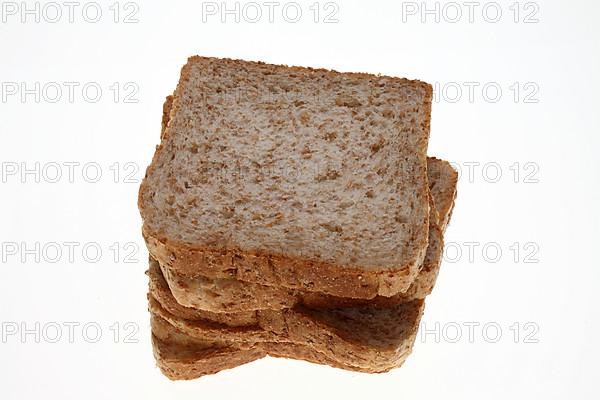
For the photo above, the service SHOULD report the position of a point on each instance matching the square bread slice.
(362, 338)
(296, 177)
(231, 295)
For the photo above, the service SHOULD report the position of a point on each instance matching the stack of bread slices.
(291, 212)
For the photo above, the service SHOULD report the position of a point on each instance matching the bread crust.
(277, 270)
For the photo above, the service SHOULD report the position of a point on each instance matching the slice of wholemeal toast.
(231, 295)
(373, 339)
(325, 191)
(180, 356)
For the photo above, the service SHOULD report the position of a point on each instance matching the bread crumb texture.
(305, 163)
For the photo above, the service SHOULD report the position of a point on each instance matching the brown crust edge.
(278, 270)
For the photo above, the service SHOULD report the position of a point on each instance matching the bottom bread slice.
(180, 355)
(366, 338)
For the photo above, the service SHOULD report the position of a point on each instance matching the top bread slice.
(296, 177)
(231, 295)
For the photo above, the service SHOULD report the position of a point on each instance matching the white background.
(550, 209)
